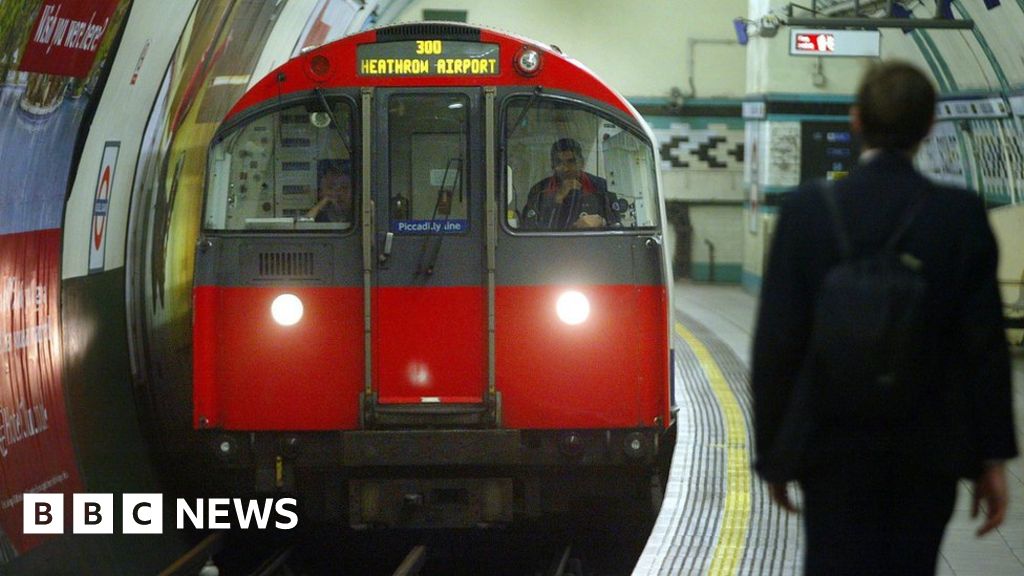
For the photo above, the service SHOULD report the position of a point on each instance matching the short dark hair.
(897, 105)
(566, 144)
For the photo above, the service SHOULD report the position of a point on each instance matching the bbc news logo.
(143, 514)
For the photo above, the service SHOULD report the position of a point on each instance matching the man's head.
(334, 181)
(566, 158)
(895, 106)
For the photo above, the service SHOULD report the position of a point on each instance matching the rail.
(274, 565)
(565, 563)
(413, 562)
(193, 561)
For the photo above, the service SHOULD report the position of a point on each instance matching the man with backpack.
(880, 371)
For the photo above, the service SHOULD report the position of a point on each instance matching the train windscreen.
(288, 169)
(553, 143)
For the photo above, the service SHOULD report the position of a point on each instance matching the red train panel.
(253, 374)
(591, 375)
(556, 72)
(430, 343)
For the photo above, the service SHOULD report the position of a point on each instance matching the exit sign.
(835, 43)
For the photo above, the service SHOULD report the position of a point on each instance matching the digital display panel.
(828, 150)
(428, 58)
(816, 42)
(835, 43)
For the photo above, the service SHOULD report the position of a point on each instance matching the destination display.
(428, 58)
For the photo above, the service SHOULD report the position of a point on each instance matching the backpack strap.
(828, 193)
(908, 218)
(845, 247)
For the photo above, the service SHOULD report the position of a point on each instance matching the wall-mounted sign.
(835, 43)
(101, 207)
(754, 110)
(976, 108)
(828, 150)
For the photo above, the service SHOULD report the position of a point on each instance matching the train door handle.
(385, 253)
(652, 241)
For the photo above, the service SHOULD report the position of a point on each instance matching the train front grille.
(281, 265)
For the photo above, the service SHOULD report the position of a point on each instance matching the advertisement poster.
(66, 37)
(329, 21)
(939, 156)
(51, 55)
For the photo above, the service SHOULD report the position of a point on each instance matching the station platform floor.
(717, 517)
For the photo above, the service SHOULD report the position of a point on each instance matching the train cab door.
(428, 317)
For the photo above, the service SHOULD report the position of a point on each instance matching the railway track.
(563, 564)
(224, 554)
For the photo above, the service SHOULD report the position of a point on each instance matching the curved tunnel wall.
(226, 48)
(54, 56)
(74, 417)
(977, 142)
(100, 447)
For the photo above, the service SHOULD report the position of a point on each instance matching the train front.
(431, 288)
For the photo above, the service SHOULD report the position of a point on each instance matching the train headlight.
(527, 61)
(573, 307)
(286, 309)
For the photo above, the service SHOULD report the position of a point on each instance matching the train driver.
(570, 197)
(334, 193)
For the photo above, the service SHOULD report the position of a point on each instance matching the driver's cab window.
(291, 169)
(569, 169)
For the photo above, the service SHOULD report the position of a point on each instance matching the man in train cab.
(334, 193)
(879, 470)
(570, 198)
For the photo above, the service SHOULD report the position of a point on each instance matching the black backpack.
(868, 340)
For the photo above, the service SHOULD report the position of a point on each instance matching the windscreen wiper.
(435, 245)
(334, 120)
(522, 115)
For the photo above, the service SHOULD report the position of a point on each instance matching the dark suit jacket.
(966, 416)
(540, 211)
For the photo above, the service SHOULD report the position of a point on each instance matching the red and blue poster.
(51, 52)
(67, 36)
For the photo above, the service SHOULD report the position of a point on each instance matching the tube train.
(431, 288)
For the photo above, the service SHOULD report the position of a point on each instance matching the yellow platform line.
(736, 516)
